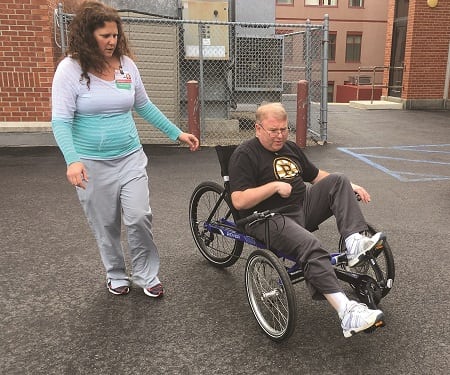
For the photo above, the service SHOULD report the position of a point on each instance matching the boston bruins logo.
(285, 168)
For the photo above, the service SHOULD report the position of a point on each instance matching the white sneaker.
(361, 246)
(358, 317)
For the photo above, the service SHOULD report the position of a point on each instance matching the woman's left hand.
(189, 139)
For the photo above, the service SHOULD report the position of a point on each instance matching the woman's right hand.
(77, 174)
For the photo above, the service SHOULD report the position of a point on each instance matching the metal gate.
(237, 66)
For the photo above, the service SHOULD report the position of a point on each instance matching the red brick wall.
(387, 50)
(428, 37)
(345, 93)
(426, 52)
(26, 60)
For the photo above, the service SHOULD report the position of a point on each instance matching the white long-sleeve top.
(97, 122)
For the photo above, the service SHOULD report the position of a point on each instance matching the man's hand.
(189, 139)
(284, 189)
(365, 196)
(77, 174)
(243, 200)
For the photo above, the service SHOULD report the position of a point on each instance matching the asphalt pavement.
(57, 316)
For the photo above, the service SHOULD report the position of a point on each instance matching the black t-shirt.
(251, 165)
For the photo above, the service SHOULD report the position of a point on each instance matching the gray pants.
(291, 233)
(118, 192)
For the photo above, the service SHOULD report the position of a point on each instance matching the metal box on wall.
(213, 38)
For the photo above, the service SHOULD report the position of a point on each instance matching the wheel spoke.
(271, 303)
(379, 264)
(262, 279)
(208, 201)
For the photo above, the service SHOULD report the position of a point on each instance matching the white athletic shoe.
(361, 246)
(358, 317)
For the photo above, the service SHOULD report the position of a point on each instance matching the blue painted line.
(425, 177)
(368, 161)
(416, 146)
(404, 159)
(400, 175)
(420, 149)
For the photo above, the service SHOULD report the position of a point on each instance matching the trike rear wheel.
(219, 250)
(271, 294)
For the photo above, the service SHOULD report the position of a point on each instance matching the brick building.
(356, 38)
(418, 35)
(26, 61)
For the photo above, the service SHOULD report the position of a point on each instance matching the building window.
(285, 2)
(332, 47)
(330, 91)
(356, 3)
(321, 2)
(353, 48)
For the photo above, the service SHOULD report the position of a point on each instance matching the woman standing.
(95, 88)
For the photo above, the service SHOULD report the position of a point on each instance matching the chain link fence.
(237, 66)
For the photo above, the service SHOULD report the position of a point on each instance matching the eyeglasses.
(274, 132)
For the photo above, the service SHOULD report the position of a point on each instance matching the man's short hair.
(273, 109)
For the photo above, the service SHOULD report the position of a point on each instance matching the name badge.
(123, 80)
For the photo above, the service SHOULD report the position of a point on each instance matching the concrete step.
(375, 104)
(14, 134)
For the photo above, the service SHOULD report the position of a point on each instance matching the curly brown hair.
(90, 16)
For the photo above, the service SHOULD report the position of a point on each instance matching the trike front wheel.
(379, 266)
(270, 294)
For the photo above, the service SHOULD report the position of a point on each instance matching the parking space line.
(364, 154)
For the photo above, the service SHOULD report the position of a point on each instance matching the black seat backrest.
(224, 155)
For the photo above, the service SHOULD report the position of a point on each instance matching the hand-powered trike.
(270, 274)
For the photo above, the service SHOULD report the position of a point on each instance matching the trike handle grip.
(264, 214)
(254, 216)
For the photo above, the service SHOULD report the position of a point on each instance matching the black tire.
(219, 250)
(270, 294)
(383, 271)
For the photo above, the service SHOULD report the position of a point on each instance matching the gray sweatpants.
(291, 233)
(118, 192)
